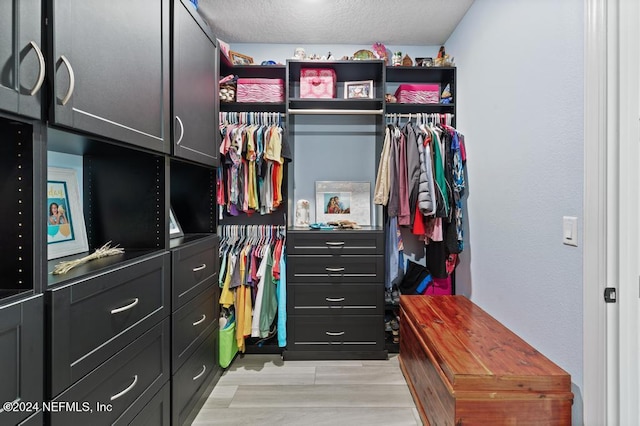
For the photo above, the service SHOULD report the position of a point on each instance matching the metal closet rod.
(337, 111)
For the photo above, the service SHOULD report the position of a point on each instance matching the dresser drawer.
(193, 378)
(335, 242)
(158, 411)
(94, 318)
(329, 299)
(336, 333)
(191, 322)
(194, 267)
(335, 269)
(117, 390)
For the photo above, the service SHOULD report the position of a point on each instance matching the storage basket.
(228, 92)
(418, 93)
(260, 90)
(317, 83)
(227, 345)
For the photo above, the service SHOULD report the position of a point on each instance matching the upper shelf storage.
(416, 78)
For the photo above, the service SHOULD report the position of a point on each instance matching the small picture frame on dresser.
(343, 200)
(358, 89)
(175, 230)
(66, 232)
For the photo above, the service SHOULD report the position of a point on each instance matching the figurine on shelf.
(330, 57)
(446, 97)
(380, 51)
(443, 60)
(299, 53)
(397, 59)
(407, 61)
(302, 213)
(390, 99)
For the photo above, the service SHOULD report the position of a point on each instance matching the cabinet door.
(195, 90)
(110, 61)
(22, 65)
(21, 354)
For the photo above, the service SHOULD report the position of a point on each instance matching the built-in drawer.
(329, 299)
(21, 354)
(194, 268)
(335, 269)
(192, 322)
(158, 411)
(336, 333)
(193, 378)
(336, 242)
(94, 318)
(116, 391)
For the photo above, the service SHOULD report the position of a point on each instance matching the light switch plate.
(570, 230)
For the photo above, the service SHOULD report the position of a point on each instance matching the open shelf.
(253, 106)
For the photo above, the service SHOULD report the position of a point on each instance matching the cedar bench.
(463, 367)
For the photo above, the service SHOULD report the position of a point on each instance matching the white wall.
(520, 105)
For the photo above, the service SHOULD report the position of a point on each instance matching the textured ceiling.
(394, 22)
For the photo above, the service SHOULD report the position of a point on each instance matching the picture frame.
(424, 62)
(358, 89)
(66, 231)
(175, 230)
(343, 200)
(240, 59)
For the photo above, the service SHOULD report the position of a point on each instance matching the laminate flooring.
(263, 390)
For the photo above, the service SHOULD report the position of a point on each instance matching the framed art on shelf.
(175, 230)
(66, 232)
(337, 200)
(358, 89)
(240, 59)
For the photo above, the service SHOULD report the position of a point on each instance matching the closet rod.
(414, 115)
(337, 111)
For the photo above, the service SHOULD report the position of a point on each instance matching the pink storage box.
(260, 90)
(418, 93)
(317, 83)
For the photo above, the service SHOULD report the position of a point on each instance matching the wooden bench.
(465, 368)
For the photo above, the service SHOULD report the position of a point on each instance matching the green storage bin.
(228, 347)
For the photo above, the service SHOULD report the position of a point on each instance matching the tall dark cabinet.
(22, 61)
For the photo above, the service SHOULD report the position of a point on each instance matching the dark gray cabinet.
(21, 356)
(22, 63)
(109, 69)
(195, 90)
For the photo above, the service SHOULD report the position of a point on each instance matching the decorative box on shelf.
(260, 90)
(418, 93)
(317, 83)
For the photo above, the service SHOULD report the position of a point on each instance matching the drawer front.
(93, 319)
(117, 390)
(336, 242)
(336, 333)
(191, 322)
(194, 268)
(335, 269)
(158, 411)
(21, 353)
(193, 377)
(329, 299)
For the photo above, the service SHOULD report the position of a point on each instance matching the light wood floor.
(264, 390)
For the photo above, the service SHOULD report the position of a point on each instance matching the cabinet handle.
(334, 269)
(131, 386)
(334, 299)
(40, 80)
(334, 333)
(72, 80)
(204, 368)
(201, 320)
(181, 130)
(126, 307)
(200, 268)
(335, 243)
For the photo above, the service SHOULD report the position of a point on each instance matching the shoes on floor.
(395, 295)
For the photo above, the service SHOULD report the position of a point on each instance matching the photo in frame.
(358, 89)
(337, 200)
(175, 230)
(240, 59)
(66, 231)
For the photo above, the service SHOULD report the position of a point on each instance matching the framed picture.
(358, 89)
(66, 232)
(424, 62)
(175, 230)
(343, 201)
(240, 59)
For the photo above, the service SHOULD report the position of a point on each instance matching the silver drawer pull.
(131, 386)
(334, 333)
(334, 299)
(334, 269)
(201, 320)
(181, 131)
(200, 268)
(40, 80)
(72, 80)
(335, 243)
(125, 308)
(204, 368)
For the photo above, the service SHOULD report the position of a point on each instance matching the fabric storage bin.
(227, 92)
(317, 83)
(418, 93)
(260, 90)
(227, 345)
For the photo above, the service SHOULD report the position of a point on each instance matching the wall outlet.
(570, 230)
